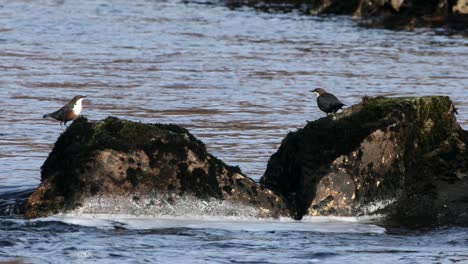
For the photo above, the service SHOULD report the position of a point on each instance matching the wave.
(159, 212)
(163, 205)
(162, 212)
(11, 200)
(311, 224)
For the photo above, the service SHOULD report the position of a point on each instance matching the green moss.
(75, 147)
(126, 135)
(310, 150)
(435, 115)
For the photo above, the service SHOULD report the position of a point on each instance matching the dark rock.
(408, 14)
(315, 7)
(116, 158)
(402, 157)
(392, 14)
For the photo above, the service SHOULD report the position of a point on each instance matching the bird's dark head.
(77, 98)
(318, 91)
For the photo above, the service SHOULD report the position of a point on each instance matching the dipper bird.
(327, 102)
(69, 111)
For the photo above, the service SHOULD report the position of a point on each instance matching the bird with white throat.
(68, 112)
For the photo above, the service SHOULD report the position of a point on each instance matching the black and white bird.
(327, 102)
(69, 111)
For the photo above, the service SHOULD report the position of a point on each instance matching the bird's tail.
(46, 116)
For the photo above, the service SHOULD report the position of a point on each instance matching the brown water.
(239, 81)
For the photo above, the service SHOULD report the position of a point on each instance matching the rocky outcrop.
(405, 158)
(395, 14)
(115, 159)
(315, 7)
(408, 14)
(460, 7)
(401, 157)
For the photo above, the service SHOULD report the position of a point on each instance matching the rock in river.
(118, 160)
(394, 14)
(401, 157)
(405, 158)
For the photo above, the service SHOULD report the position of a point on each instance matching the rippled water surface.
(239, 81)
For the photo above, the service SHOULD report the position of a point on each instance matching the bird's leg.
(331, 115)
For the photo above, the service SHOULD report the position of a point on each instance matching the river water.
(239, 81)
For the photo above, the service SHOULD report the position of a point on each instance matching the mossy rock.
(402, 157)
(120, 158)
(374, 159)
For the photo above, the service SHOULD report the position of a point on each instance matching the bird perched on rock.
(327, 102)
(69, 111)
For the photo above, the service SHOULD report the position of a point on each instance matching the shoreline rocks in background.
(401, 157)
(115, 158)
(391, 14)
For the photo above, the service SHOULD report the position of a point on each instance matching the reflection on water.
(239, 80)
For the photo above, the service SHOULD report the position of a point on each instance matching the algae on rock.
(402, 157)
(379, 156)
(117, 158)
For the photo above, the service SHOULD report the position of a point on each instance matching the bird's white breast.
(77, 107)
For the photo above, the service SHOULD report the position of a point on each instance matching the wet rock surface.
(11, 201)
(405, 158)
(393, 14)
(118, 158)
(401, 157)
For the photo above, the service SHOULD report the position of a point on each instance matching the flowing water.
(239, 80)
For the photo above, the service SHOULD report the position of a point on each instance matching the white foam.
(372, 208)
(159, 212)
(313, 224)
(163, 205)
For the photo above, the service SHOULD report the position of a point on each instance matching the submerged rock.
(402, 157)
(11, 201)
(118, 160)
